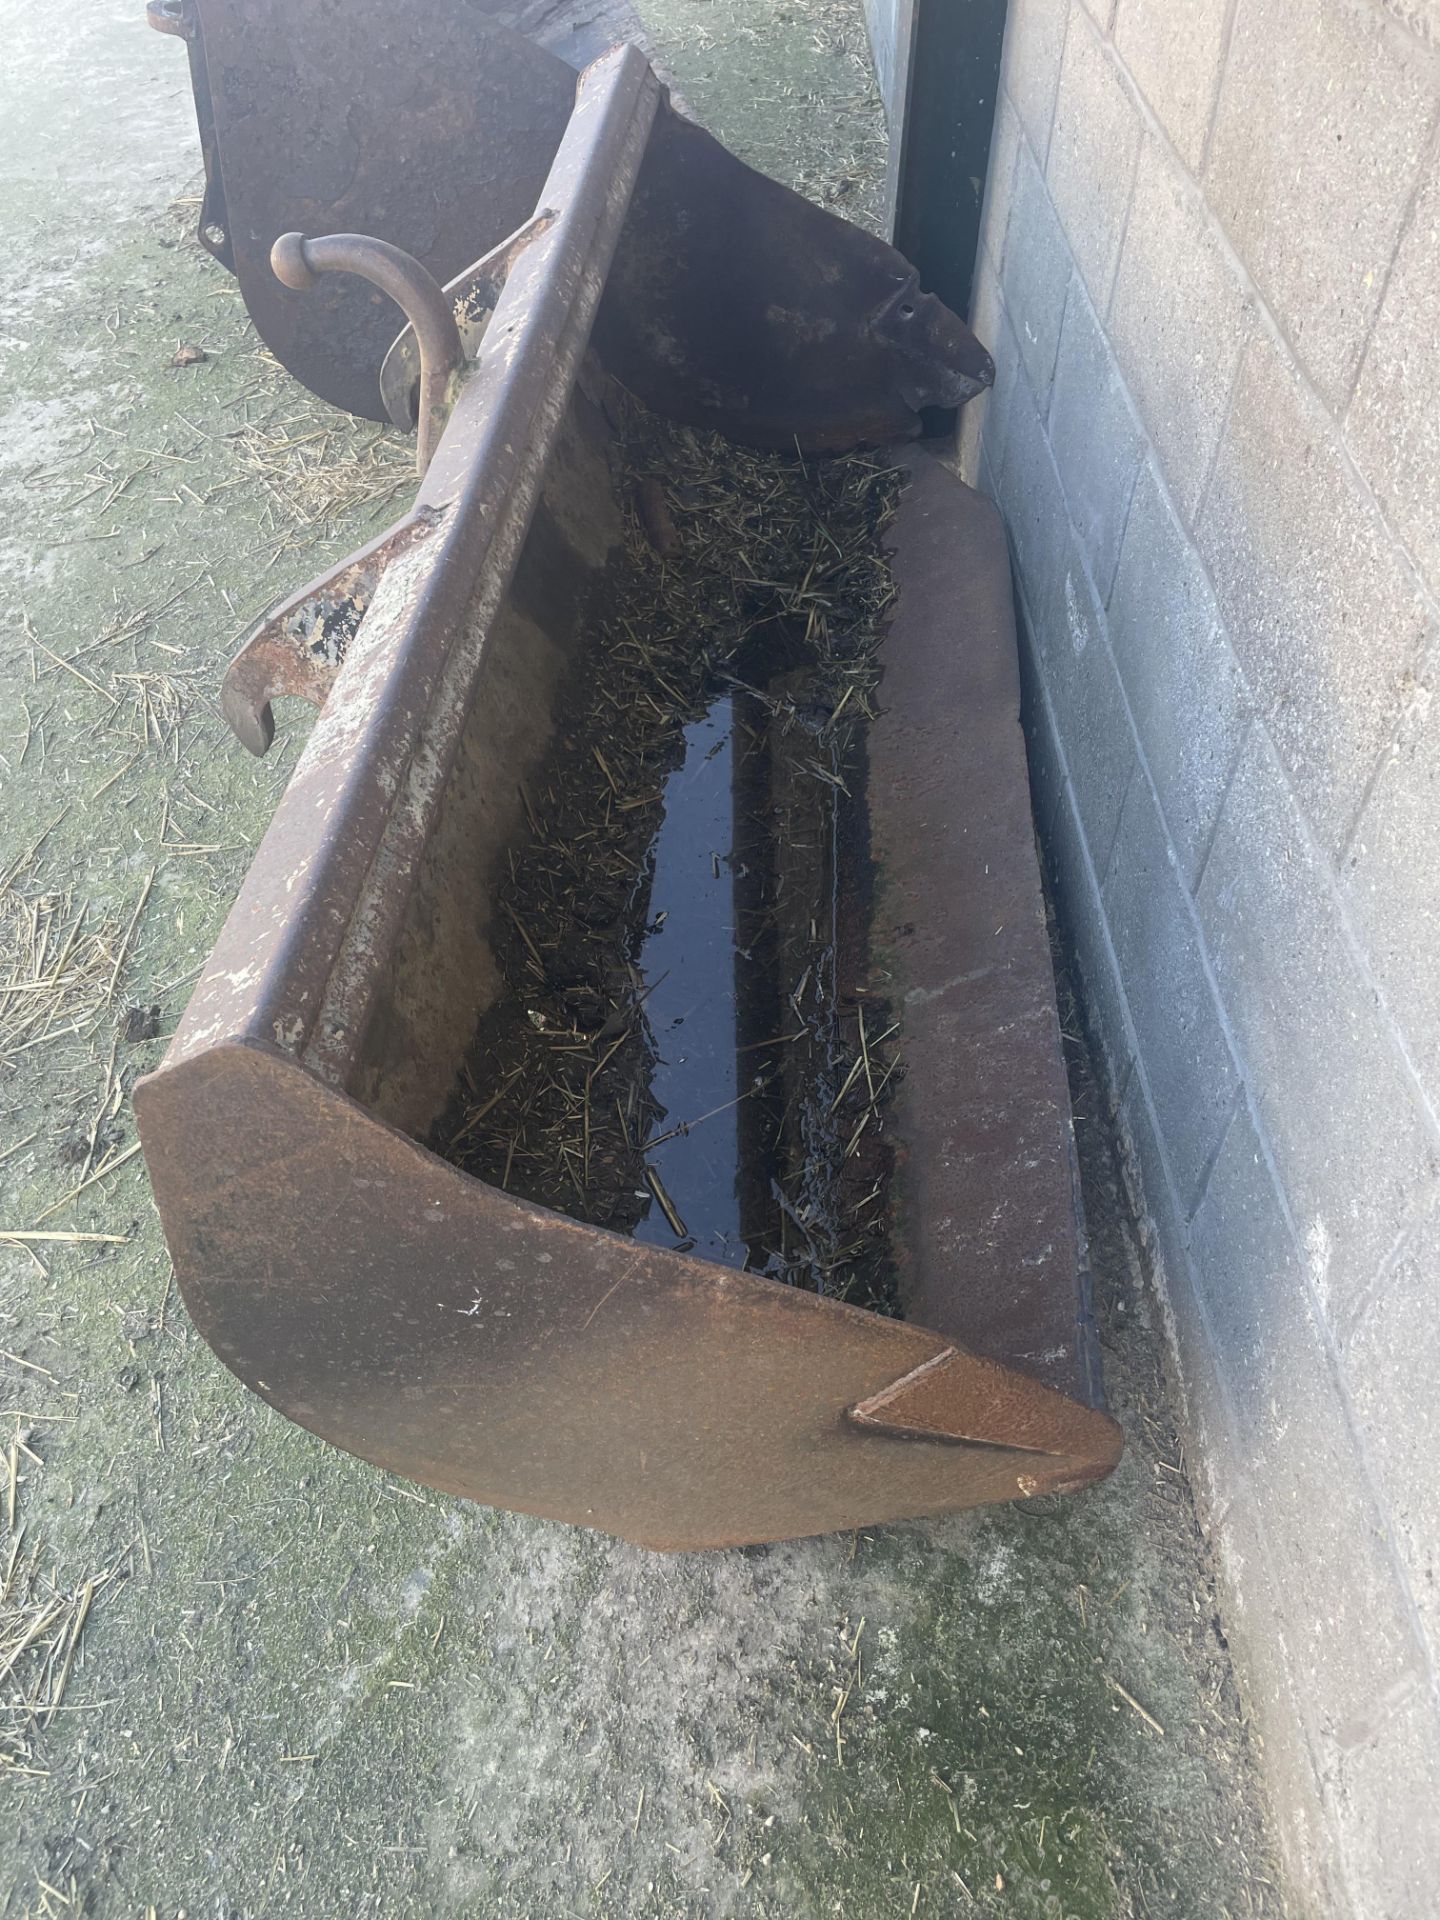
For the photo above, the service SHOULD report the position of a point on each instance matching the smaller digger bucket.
(845, 1284)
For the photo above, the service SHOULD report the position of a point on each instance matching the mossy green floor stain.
(301, 1687)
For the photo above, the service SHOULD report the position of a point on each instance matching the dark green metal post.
(945, 141)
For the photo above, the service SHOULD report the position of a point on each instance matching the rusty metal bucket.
(431, 125)
(453, 1332)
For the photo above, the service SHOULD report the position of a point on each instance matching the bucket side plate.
(488, 1348)
(989, 1234)
(428, 125)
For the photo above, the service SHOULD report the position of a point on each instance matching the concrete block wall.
(1210, 274)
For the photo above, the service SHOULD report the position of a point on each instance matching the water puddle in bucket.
(688, 963)
(689, 1050)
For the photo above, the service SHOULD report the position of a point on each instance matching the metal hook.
(299, 262)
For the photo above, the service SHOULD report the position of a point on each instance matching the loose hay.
(43, 1615)
(317, 476)
(57, 969)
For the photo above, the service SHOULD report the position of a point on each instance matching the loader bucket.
(635, 1316)
(431, 124)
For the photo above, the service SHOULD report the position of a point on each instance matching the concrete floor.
(281, 1681)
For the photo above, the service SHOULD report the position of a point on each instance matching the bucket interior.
(634, 983)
